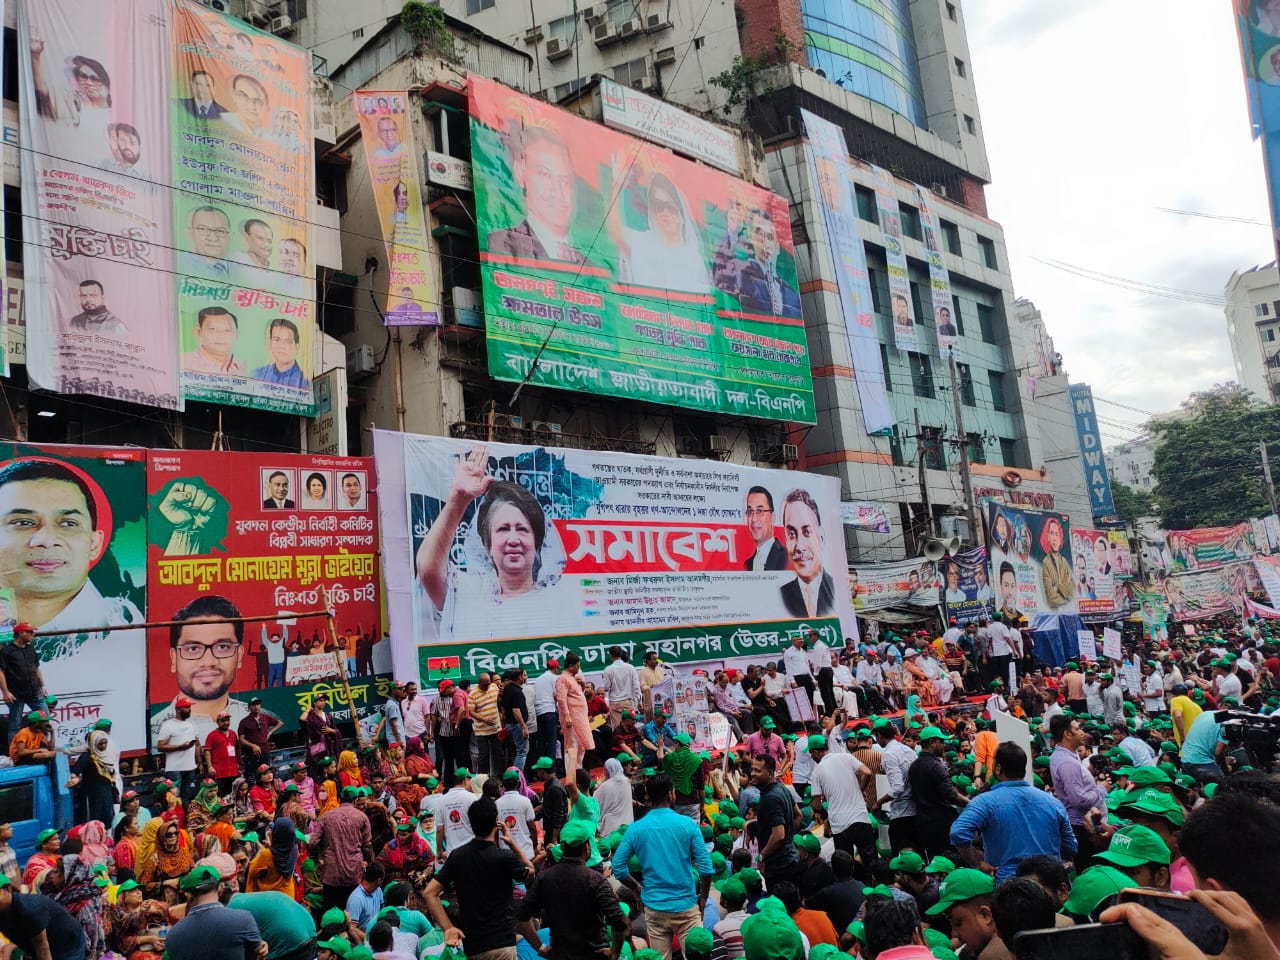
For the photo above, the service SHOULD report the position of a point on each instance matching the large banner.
(72, 559)
(97, 234)
(1268, 570)
(966, 590)
(907, 583)
(1119, 555)
(246, 534)
(1258, 24)
(386, 129)
(614, 267)
(243, 169)
(901, 308)
(506, 555)
(1094, 463)
(865, 515)
(1030, 561)
(1149, 606)
(1207, 547)
(1206, 593)
(1095, 577)
(944, 324)
(829, 170)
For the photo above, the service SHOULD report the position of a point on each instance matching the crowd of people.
(515, 818)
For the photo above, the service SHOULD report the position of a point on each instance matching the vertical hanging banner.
(944, 324)
(828, 169)
(243, 172)
(97, 231)
(387, 134)
(4, 280)
(1258, 24)
(900, 307)
(1095, 576)
(1030, 561)
(1092, 460)
(966, 591)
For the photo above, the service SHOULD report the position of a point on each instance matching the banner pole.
(342, 667)
(156, 624)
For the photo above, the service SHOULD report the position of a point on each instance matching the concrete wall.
(1253, 327)
(948, 96)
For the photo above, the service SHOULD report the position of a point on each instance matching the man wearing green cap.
(575, 904)
(936, 797)
(516, 811)
(209, 930)
(965, 897)
(453, 829)
(1139, 852)
(727, 932)
(770, 934)
(1091, 888)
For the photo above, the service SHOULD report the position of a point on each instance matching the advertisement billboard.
(614, 267)
(829, 173)
(907, 583)
(1095, 576)
(74, 545)
(966, 589)
(247, 534)
(626, 108)
(865, 515)
(1092, 460)
(506, 555)
(1031, 561)
(243, 165)
(386, 130)
(1206, 547)
(97, 230)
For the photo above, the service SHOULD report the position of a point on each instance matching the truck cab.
(33, 797)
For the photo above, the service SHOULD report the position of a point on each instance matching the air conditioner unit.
(596, 12)
(664, 56)
(644, 82)
(655, 22)
(790, 453)
(281, 25)
(557, 49)
(629, 28)
(605, 33)
(533, 35)
(508, 420)
(939, 188)
(255, 11)
(360, 362)
(546, 426)
(718, 444)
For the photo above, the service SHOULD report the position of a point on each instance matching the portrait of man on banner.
(812, 592)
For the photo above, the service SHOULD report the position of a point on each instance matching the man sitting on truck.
(33, 743)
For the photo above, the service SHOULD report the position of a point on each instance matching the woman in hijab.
(349, 774)
(125, 849)
(274, 865)
(96, 767)
(241, 805)
(417, 764)
(327, 792)
(45, 857)
(406, 854)
(73, 879)
(164, 857)
(95, 842)
(131, 805)
(405, 788)
(200, 809)
(614, 797)
(263, 793)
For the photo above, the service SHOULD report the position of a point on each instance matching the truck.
(34, 797)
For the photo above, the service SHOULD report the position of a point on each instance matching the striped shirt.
(484, 710)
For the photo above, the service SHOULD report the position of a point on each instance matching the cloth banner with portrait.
(510, 555)
(941, 304)
(386, 129)
(247, 534)
(966, 587)
(1205, 547)
(1207, 593)
(614, 267)
(1031, 561)
(1258, 25)
(906, 583)
(1095, 577)
(902, 305)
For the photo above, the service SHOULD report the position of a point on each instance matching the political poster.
(74, 561)
(1031, 561)
(614, 267)
(509, 555)
(1088, 644)
(1091, 566)
(941, 304)
(1206, 547)
(906, 583)
(829, 171)
(1272, 524)
(1258, 26)
(1268, 570)
(1119, 555)
(244, 176)
(966, 590)
(1111, 645)
(691, 715)
(250, 535)
(901, 307)
(97, 230)
(1206, 593)
(386, 130)
(1149, 605)
(864, 515)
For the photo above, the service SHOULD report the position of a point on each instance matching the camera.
(1256, 735)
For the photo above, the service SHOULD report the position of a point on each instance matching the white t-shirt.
(797, 662)
(451, 813)
(1229, 686)
(835, 779)
(1001, 641)
(178, 731)
(415, 713)
(516, 811)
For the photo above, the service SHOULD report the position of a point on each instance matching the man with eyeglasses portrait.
(769, 553)
(205, 654)
(208, 236)
(282, 347)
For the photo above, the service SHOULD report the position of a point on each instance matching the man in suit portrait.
(202, 103)
(769, 554)
(756, 280)
(945, 327)
(812, 593)
(544, 172)
(278, 492)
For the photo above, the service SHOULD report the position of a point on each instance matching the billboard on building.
(1204, 547)
(627, 108)
(1031, 561)
(386, 129)
(504, 555)
(1258, 25)
(246, 534)
(829, 171)
(1092, 460)
(74, 547)
(244, 172)
(97, 230)
(613, 267)
(905, 583)
(865, 515)
(966, 588)
(940, 302)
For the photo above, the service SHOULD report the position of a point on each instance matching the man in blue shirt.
(1015, 820)
(366, 899)
(1135, 748)
(670, 849)
(282, 347)
(1202, 748)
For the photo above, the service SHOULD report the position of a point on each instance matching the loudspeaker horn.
(934, 550)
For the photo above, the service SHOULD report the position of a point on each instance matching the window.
(995, 380)
(910, 221)
(699, 42)
(977, 451)
(1008, 452)
(620, 11)
(877, 298)
(951, 236)
(564, 29)
(1261, 310)
(868, 210)
(568, 89)
(921, 374)
(884, 365)
(357, 33)
(970, 127)
(632, 72)
(18, 801)
(955, 312)
(917, 303)
(1275, 304)
(1271, 335)
(895, 448)
(951, 11)
(986, 323)
(966, 385)
(933, 449)
(988, 247)
(961, 70)
(475, 6)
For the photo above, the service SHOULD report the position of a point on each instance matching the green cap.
(961, 885)
(750, 878)
(1146, 776)
(732, 887)
(816, 741)
(908, 862)
(880, 723)
(823, 951)
(1042, 761)
(856, 930)
(44, 835)
(737, 823)
(350, 793)
(198, 877)
(1155, 803)
(575, 833)
(338, 946)
(718, 862)
(697, 943)
(432, 783)
(807, 842)
(543, 763)
(766, 723)
(1092, 887)
(729, 808)
(931, 733)
(127, 886)
(650, 771)
(1134, 845)
(683, 739)
(360, 953)
(770, 934)
(511, 776)
(939, 865)
(333, 915)
(101, 725)
(462, 773)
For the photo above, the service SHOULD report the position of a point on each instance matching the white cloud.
(1096, 115)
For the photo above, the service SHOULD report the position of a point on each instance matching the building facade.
(1133, 463)
(1253, 327)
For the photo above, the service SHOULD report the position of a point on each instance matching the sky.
(1097, 113)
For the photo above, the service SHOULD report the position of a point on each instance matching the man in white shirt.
(838, 779)
(516, 811)
(820, 659)
(1006, 648)
(870, 675)
(953, 632)
(1226, 680)
(796, 660)
(180, 744)
(453, 828)
(1093, 693)
(544, 707)
(896, 758)
(1152, 689)
(620, 685)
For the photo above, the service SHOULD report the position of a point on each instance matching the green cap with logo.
(1092, 887)
(1155, 803)
(1135, 845)
(961, 885)
(1148, 776)
(940, 865)
(816, 741)
(807, 842)
(931, 733)
(201, 876)
(908, 862)
(575, 833)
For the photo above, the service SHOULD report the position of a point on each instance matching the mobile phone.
(1094, 941)
(1192, 919)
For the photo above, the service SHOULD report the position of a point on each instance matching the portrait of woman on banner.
(667, 252)
(511, 559)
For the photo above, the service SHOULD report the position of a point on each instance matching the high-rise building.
(1253, 327)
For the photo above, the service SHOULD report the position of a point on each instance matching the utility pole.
(923, 479)
(963, 442)
(1266, 476)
